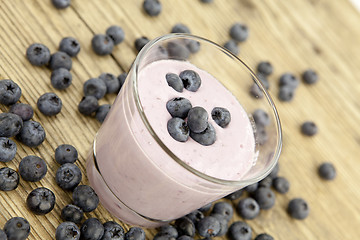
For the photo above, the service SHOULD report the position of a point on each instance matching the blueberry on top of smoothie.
(197, 119)
(207, 137)
(221, 116)
(178, 107)
(178, 129)
(174, 81)
(191, 80)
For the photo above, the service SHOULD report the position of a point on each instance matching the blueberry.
(185, 237)
(92, 229)
(252, 187)
(263, 80)
(178, 129)
(3, 235)
(9, 179)
(239, 32)
(69, 45)
(274, 172)
(10, 92)
(286, 93)
(95, 87)
(192, 45)
(206, 207)
(49, 104)
(206, 1)
(223, 223)
(232, 46)
(289, 80)
(178, 107)
(281, 184)
(72, 213)
(263, 236)
(122, 78)
(223, 208)
(265, 197)
(140, 43)
(265, 68)
(116, 33)
(61, 4)
(310, 76)
(197, 119)
(261, 118)
(113, 231)
(7, 149)
(174, 81)
(61, 78)
(68, 176)
(111, 82)
(32, 134)
(102, 111)
(256, 92)
(23, 110)
(60, 60)
(168, 230)
(135, 233)
(180, 28)
(221, 116)
(67, 231)
(207, 137)
(239, 231)
(195, 216)
(38, 54)
(88, 105)
(235, 195)
(160, 236)
(66, 153)
(152, 7)
(266, 182)
(298, 208)
(185, 226)
(209, 226)
(32, 168)
(85, 198)
(248, 208)
(309, 128)
(327, 171)
(41, 200)
(177, 51)
(102, 44)
(17, 228)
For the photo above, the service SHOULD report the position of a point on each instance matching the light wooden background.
(293, 35)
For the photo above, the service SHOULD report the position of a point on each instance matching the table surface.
(293, 35)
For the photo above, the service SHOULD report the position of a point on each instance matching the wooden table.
(293, 35)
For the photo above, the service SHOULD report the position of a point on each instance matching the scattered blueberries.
(122, 78)
(180, 28)
(309, 128)
(223, 208)
(327, 171)
(178, 129)
(298, 208)
(23, 110)
(140, 43)
(113, 231)
(248, 208)
(32, 168)
(197, 119)
(252, 187)
(239, 32)
(92, 229)
(185, 226)
(152, 7)
(281, 184)
(178, 107)
(38, 54)
(223, 223)
(261, 118)
(235, 195)
(61, 78)
(135, 233)
(102, 111)
(10, 92)
(85, 198)
(168, 231)
(178, 50)
(7, 149)
(116, 33)
(111, 82)
(95, 87)
(310, 76)
(274, 172)
(185, 237)
(255, 91)
(266, 182)
(232, 46)
(286, 93)
(195, 216)
(265, 197)
(265, 68)
(9, 179)
(67, 231)
(61, 4)
(174, 81)
(207, 137)
(192, 45)
(49, 104)
(32, 134)
(60, 60)
(72, 213)
(88, 105)
(263, 236)
(289, 80)
(17, 228)
(205, 208)
(263, 80)
(68, 176)
(41, 200)
(69, 45)
(209, 226)
(221, 116)
(239, 231)
(102, 44)
(66, 153)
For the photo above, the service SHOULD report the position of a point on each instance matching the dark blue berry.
(60, 60)
(298, 208)
(111, 82)
(140, 43)
(195, 216)
(3, 235)
(72, 213)
(263, 80)
(209, 226)
(192, 45)
(263, 236)
(223, 223)
(9, 179)
(7, 149)
(38, 54)
(266, 182)
(66, 153)
(235, 195)
(10, 92)
(239, 231)
(32, 134)
(309, 128)
(327, 171)
(17, 228)
(177, 50)
(85, 198)
(281, 184)
(102, 111)
(207, 137)
(185, 237)
(88, 105)
(61, 4)
(69, 45)
(113, 231)
(180, 28)
(168, 230)
(248, 208)
(91, 229)
(191, 80)
(205, 208)
(174, 81)
(135, 233)
(102, 44)
(32, 168)
(310, 76)
(223, 208)
(185, 226)
(95, 87)
(289, 80)
(251, 188)
(122, 78)
(67, 231)
(286, 93)
(261, 118)
(197, 119)
(232, 46)
(255, 91)
(68, 176)
(265, 68)
(23, 110)
(61, 78)
(221, 116)
(116, 33)
(178, 129)
(160, 236)
(265, 197)
(178, 107)
(152, 7)
(41, 200)
(239, 32)
(49, 104)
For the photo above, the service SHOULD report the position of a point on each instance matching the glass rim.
(144, 51)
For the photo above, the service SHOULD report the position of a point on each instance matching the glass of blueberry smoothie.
(184, 131)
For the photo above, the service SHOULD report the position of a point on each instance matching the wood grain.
(293, 35)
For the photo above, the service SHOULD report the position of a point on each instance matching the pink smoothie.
(139, 180)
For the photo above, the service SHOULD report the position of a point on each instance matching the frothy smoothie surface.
(232, 154)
